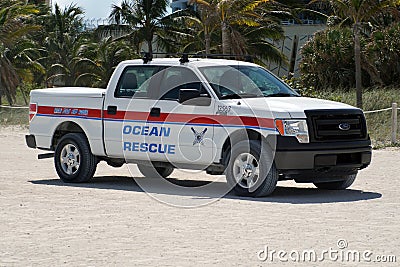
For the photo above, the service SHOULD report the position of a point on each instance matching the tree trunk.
(357, 61)
(7, 84)
(150, 44)
(208, 42)
(207, 25)
(9, 98)
(1, 91)
(226, 42)
(23, 95)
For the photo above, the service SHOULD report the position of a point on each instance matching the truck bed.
(79, 105)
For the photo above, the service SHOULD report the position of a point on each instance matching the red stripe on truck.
(164, 117)
(70, 111)
(190, 118)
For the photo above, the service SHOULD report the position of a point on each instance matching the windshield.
(231, 82)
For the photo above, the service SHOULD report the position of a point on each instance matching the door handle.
(112, 110)
(155, 112)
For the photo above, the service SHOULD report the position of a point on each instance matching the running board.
(46, 156)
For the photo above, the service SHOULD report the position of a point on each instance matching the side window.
(135, 81)
(176, 78)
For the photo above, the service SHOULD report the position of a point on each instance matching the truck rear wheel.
(155, 172)
(251, 171)
(340, 185)
(73, 160)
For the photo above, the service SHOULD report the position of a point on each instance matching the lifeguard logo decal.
(198, 136)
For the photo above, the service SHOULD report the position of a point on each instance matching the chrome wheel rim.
(70, 159)
(246, 170)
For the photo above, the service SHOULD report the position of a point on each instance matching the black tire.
(262, 158)
(87, 161)
(348, 180)
(155, 172)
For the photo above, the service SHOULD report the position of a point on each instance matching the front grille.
(333, 125)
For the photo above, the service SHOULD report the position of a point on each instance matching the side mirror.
(193, 97)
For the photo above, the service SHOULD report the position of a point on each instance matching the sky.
(92, 8)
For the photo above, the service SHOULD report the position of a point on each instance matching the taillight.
(32, 110)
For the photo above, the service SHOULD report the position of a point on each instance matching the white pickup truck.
(222, 116)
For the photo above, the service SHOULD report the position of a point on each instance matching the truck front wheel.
(340, 185)
(73, 160)
(155, 172)
(251, 171)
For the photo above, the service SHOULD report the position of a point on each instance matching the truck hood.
(69, 92)
(292, 106)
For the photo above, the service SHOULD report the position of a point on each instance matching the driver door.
(191, 126)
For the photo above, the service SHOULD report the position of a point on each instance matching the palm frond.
(254, 4)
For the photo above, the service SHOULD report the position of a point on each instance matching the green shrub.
(328, 58)
(383, 51)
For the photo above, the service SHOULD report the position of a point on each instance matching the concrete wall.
(294, 33)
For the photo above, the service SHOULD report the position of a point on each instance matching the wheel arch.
(237, 136)
(63, 129)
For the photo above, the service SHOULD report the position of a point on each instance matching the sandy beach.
(112, 221)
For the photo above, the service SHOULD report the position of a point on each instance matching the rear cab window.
(136, 81)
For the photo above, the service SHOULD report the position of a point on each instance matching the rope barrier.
(378, 110)
(13, 107)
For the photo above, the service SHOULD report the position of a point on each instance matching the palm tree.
(67, 21)
(144, 17)
(24, 56)
(106, 54)
(231, 13)
(244, 26)
(14, 26)
(209, 20)
(65, 43)
(254, 41)
(202, 40)
(360, 13)
(147, 20)
(70, 63)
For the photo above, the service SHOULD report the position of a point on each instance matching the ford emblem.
(344, 126)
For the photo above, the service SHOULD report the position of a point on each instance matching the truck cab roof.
(196, 62)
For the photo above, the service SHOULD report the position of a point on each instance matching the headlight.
(297, 128)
